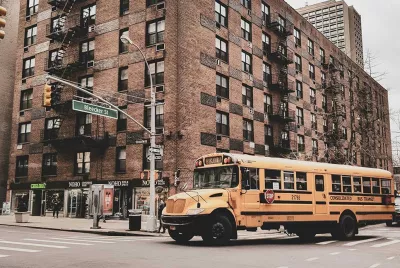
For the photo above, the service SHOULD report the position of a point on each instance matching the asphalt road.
(377, 246)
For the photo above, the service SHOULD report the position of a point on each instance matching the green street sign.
(94, 109)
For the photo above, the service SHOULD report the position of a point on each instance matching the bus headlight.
(194, 211)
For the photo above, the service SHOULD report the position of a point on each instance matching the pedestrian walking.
(161, 206)
(56, 208)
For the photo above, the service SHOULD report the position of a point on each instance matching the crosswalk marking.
(327, 242)
(312, 259)
(3, 256)
(31, 244)
(391, 258)
(20, 249)
(362, 241)
(375, 265)
(81, 240)
(386, 244)
(335, 253)
(58, 242)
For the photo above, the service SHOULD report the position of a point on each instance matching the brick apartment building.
(243, 76)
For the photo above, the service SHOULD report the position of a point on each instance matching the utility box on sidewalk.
(135, 220)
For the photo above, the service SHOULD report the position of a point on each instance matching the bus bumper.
(185, 223)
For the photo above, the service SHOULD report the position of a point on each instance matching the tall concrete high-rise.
(8, 50)
(340, 23)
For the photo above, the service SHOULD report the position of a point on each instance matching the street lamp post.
(151, 221)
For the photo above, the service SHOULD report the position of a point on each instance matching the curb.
(106, 233)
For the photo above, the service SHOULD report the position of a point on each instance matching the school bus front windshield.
(216, 177)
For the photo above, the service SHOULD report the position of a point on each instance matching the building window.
(310, 45)
(221, 47)
(267, 77)
(246, 3)
(222, 83)
(266, 43)
(325, 124)
(82, 163)
(222, 123)
(344, 133)
(56, 58)
(89, 16)
(87, 51)
(157, 73)
(22, 166)
(311, 71)
(159, 117)
(155, 32)
(248, 132)
(52, 126)
(122, 121)
(84, 124)
(298, 64)
(26, 99)
(313, 121)
(297, 37)
(221, 14)
(123, 79)
(265, 11)
(300, 116)
(267, 104)
(246, 30)
(313, 98)
(247, 96)
(123, 48)
(32, 7)
(86, 82)
(315, 146)
(146, 160)
(24, 132)
(120, 161)
(300, 143)
(124, 7)
(30, 35)
(58, 24)
(268, 135)
(29, 67)
(323, 77)
(49, 164)
(246, 62)
(299, 89)
(153, 2)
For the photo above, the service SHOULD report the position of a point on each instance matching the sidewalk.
(111, 227)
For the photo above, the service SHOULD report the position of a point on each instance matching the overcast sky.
(380, 24)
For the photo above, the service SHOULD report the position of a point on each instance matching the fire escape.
(67, 28)
(279, 82)
(334, 136)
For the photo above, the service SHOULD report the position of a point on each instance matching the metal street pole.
(152, 220)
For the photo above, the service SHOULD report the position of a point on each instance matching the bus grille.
(175, 206)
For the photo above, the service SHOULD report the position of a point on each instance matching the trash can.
(135, 220)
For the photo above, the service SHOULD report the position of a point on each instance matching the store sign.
(119, 183)
(38, 186)
(162, 183)
(79, 184)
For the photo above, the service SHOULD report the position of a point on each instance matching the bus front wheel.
(219, 231)
(180, 237)
(346, 229)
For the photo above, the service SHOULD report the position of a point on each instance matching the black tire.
(347, 228)
(180, 237)
(306, 236)
(389, 223)
(219, 231)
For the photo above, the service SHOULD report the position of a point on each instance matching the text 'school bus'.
(241, 192)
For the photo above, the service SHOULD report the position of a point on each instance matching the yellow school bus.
(234, 192)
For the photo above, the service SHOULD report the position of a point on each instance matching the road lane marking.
(352, 249)
(58, 242)
(335, 253)
(3, 256)
(391, 258)
(312, 259)
(31, 244)
(385, 244)
(81, 240)
(327, 242)
(362, 241)
(20, 249)
(375, 265)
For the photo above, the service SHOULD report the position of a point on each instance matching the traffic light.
(3, 12)
(55, 95)
(47, 95)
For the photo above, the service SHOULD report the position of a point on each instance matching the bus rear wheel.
(219, 231)
(346, 229)
(180, 237)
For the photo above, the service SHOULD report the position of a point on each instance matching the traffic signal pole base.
(151, 225)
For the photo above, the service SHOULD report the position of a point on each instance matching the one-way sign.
(157, 157)
(156, 150)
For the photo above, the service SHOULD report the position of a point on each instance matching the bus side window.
(273, 179)
(357, 184)
(319, 183)
(250, 178)
(336, 183)
(366, 185)
(386, 187)
(301, 181)
(288, 180)
(346, 184)
(376, 189)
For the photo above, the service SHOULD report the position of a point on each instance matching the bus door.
(320, 194)
(250, 188)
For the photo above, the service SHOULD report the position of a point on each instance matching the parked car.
(396, 215)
